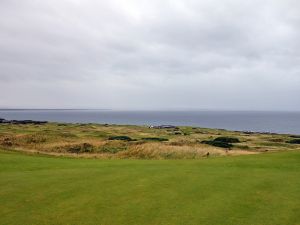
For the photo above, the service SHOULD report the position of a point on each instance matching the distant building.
(163, 127)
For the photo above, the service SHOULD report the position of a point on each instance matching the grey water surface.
(279, 122)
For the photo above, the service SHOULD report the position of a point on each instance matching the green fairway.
(259, 189)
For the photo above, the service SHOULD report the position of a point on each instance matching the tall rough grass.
(92, 140)
(165, 151)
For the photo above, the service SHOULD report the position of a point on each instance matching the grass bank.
(139, 142)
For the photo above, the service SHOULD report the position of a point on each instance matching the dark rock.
(22, 121)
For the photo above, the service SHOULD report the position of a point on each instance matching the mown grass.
(261, 189)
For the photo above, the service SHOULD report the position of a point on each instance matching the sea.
(256, 121)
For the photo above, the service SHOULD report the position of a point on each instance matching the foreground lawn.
(254, 189)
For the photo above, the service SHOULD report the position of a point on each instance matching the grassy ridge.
(259, 189)
(124, 141)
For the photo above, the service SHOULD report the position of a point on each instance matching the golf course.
(258, 189)
(178, 112)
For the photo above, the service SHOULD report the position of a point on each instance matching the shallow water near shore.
(278, 122)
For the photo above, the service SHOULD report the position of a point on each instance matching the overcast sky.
(136, 54)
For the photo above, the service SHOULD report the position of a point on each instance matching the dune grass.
(137, 142)
(262, 189)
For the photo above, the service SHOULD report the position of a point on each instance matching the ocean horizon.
(257, 121)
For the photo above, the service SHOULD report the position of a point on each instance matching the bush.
(295, 136)
(35, 138)
(218, 144)
(110, 149)
(81, 148)
(244, 147)
(294, 141)
(276, 140)
(223, 142)
(154, 139)
(227, 139)
(66, 135)
(7, 141)
(121, 138)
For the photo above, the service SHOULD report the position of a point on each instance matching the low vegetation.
(294, 141)
(121, 138)
(227, 139)
(138, 142)
(79, 148)
(37, 188)
(295, 136)
(222, 142)
(155, 139)
(244, 190)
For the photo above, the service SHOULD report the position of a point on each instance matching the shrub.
(227, 139)
(80, 148)
(74, 148)
(223, 142)
(244, 147)
(35, 138)
(67, 135)
(294, 141)
(121, 138)
(110, 149)
(295, 136)
(218, 144)
(276, 140)
(154, 139)
(7, 141)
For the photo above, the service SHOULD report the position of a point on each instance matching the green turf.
(259, 189)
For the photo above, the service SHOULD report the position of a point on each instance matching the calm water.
(279, 122)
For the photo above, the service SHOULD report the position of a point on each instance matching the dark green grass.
(254, 190)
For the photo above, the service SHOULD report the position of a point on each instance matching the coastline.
(272, 122)
(139, 142)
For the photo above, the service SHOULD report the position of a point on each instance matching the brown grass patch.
(165, 151)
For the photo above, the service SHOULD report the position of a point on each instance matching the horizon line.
(107, 109)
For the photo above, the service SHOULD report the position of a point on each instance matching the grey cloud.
(150, 55)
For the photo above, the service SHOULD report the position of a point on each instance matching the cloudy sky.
(136, 54)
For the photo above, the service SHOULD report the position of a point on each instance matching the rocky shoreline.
(21, 121)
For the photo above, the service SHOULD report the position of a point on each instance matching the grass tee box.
(261, 189)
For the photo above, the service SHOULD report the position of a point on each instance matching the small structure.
(164, 127)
